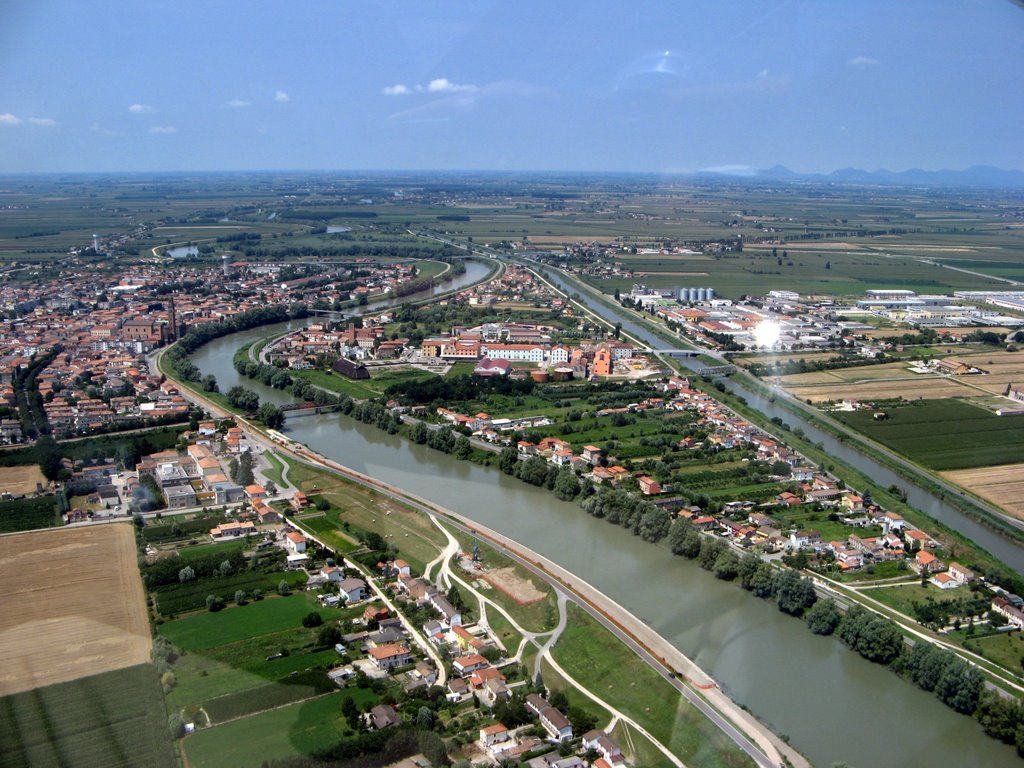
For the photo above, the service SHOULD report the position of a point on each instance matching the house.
(256, 492)
(226, 531)
(402, 567)
(553, 721)
(648, 485)
(944, 581)
(962, 574)
(384, 716)
(389, 656)
(299, 501)
(920, 538)
(789, 499)
(350, 369)
(295, 541)
(332, 573)
(268, 516)
(465, 665)
(1014, 615)
(604, 745)
(926, 562)
(493, 736)
(375, 613)
(352, 589)
(804, 540)
(593, 455)
(458, 689)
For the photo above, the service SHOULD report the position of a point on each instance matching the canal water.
(832, 704)
(1007, 550)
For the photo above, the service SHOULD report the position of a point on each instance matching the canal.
(832, 704)
(1007, 550)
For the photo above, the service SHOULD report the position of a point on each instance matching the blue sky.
(662, 87)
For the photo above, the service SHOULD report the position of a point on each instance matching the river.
(1007, 550)
(830, 702)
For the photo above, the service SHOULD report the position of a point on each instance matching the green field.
(28, 514)
(202, 631)
(286, 732)
(594, 657)
(104, 721)
(173, 599)
(944, 434)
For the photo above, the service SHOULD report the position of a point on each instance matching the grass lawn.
(189, 554)
(200, 678)
(418, 540)
(1004, 648)
(337, 384)
(637, 746)
(460, 369)
(298, 729)
(555, 682)
(276, 469)
(539, 616)
(103, 721)
(902, 598)
(508, 636)
(201, 631)
(328, 529)
(596, 659)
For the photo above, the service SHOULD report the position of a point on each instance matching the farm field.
(944, 434)
(22, 480)
(28, 514)
(54, 628)
(288, 731)
(109, 720)
(1002, 485)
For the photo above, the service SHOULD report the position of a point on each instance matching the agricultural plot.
(107, 720)
(19, 481)
(28, 514)
(55, 628)
(944, 434)
(1002, 485)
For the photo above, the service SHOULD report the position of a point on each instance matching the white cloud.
(762, 74)
(444, 85)
(43, 122)
(8, 119)
(141, 109)
(163, 129)
(236, 103)
(281, 97)
(396, 90)
(862, 61)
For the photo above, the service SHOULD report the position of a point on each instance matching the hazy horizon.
(672, 88)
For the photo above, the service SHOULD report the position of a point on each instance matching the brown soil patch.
(21, 481)
(512, 584)
(1002, 485)
(73, 606)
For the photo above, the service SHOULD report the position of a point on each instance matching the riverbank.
(699, 689)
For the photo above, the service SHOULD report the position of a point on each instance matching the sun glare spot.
(767, 334)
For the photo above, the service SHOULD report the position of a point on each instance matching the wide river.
(831, 703)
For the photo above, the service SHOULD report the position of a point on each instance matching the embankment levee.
(617, 618)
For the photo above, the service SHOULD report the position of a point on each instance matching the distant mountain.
(975, 176)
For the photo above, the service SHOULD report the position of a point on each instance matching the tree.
(214, 603)
(283, 588)
(463, 448)
(323, 504)
(243, 399)
(566, 485)
(508, 459)
(726, 565)
(225, 568)
(823, 617)
(271, 488)
(245, 475)
(710, 549)
(794, 593)
(419, 433)
(960, 686)
(176, 725)
(425, 718)
(239, 597)
(186, 574)
(270, 415)
(328, 636)
(683, 538)
(312, 619)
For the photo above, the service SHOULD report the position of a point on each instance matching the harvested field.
(909, 389)
(20, 481)
(73, 606)
(512, 584)
(1002, 485)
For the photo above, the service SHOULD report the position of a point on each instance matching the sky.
(576, 85)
